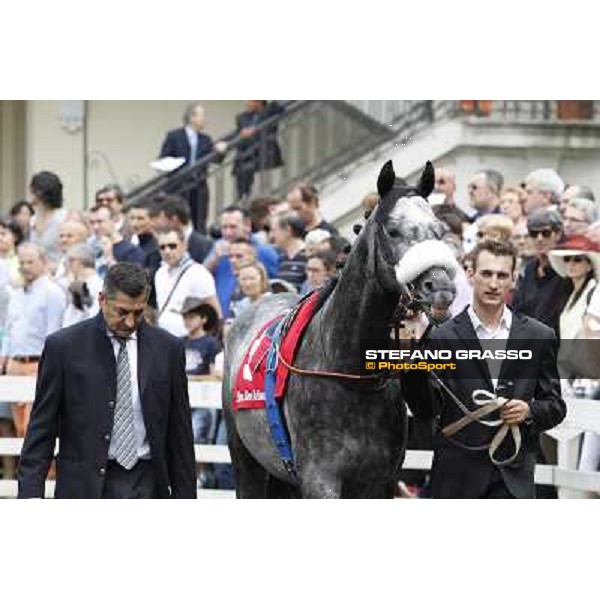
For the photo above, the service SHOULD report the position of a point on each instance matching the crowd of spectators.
(53, 260)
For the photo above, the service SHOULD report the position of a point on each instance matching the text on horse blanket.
(249, 389)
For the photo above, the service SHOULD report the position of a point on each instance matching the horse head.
(406, 253)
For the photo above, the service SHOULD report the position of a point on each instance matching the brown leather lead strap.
(488, 403)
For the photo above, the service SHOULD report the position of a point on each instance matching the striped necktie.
(123, 447)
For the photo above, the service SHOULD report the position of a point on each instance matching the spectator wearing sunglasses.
(577, 259)
(178, 278)
(541, 292)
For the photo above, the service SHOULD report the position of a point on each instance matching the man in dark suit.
(190, 143)
(113, 389)
(532, 387)
(258, 149)
(170, 211)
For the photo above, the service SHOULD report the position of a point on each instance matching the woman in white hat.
(578, 259)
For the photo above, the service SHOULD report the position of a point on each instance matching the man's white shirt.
(197, 282)
(500, 333)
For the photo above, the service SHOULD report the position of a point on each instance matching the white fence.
(582, 415)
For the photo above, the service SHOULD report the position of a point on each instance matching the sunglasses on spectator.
(546, 233)
(579, 258)
(171, 246)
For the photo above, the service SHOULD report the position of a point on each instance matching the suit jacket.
(75, 399)
(460, 473)
(261, 151)
(177, 144)
(199, 246)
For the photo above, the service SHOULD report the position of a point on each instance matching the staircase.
(317, 139)
(341, 145)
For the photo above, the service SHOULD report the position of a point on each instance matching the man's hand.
(221, 248)
(247, 132)
(515, 411)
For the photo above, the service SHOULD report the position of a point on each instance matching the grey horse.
(348, 436)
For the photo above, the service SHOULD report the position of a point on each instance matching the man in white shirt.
(177, 278)
(34, 312)
(462, 464)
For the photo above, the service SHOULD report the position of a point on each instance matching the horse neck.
(358, 310)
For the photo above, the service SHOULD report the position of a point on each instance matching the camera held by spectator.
(81, 295)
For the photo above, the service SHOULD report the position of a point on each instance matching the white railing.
(582, 415)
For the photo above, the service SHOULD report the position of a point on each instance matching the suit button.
(107, 436)
(111, 405)
(102, 471)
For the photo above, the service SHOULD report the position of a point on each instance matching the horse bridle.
(406, 302)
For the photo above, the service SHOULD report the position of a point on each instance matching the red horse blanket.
(249, 389)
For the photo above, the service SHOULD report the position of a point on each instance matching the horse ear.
(427, 181)
(386, 179)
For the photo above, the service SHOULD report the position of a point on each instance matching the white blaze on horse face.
(416, 221)
(414, 210)
(423, 256)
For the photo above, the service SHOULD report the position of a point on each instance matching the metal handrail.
(188, 174)
(320, 139)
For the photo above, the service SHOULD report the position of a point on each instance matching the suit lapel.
(105, 355)
(516, 341)
(466, 333)
(144, 364)
(186, 145)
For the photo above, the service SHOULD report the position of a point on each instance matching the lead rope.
(488, 402)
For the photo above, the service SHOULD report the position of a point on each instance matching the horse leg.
(250, 476)
(319, 484)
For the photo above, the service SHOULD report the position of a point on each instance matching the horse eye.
(394, 232)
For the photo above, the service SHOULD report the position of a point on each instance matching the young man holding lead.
(471, 459)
